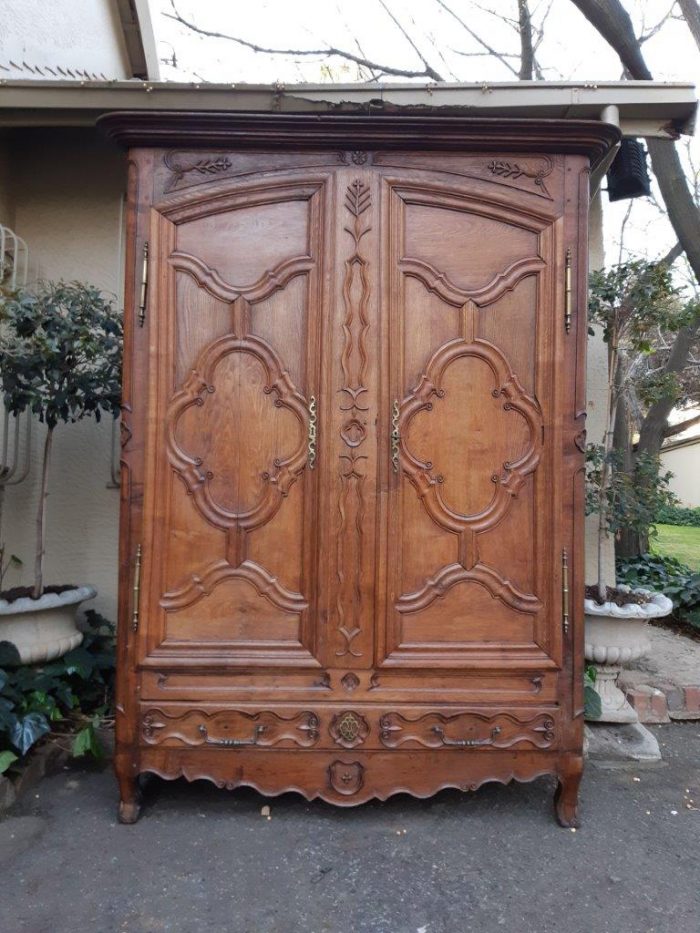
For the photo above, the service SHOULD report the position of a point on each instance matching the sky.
(570, 50)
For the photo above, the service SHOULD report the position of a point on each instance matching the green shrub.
(69, 696)
(678, 515)
(669, 576)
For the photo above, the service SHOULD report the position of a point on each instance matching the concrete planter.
(616, 635)
(43, 629)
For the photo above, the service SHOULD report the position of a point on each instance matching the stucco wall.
(67, 190)
(66, 34)
(684, 463)
(597, 375)
(7, 209)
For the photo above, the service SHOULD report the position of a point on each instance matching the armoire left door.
(230, 573)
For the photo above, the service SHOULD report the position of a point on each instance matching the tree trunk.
(628, 541)
(691, 14)
(653, 430)
(41, 518)
(613, 23)
(527, 53)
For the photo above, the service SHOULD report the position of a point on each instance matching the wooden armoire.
(353, 452)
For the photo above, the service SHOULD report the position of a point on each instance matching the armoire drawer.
(361, 727)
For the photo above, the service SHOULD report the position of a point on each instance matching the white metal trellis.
(14, 258)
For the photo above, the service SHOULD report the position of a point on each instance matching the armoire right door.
(473, 543)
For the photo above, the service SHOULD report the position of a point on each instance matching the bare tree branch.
(327, 52)
(647, 34)
(682, 426)
(501, 58)
(429, 70)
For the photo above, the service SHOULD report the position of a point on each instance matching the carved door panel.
(472, 537)
(230, 572)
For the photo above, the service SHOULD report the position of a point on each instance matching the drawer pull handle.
(465, 743)
(232, 743)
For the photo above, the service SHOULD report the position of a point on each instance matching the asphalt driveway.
(202, 859)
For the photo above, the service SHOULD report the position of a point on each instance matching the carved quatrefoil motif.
(507, 477)
(349, 729)
(201, 385)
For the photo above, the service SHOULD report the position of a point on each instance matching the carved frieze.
(229, 728)
(466, 730)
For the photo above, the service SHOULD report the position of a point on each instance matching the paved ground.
(673, 657)
(202, 859)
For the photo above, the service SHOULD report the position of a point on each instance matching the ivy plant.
(68, 697)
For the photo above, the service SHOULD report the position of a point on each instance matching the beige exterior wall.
(684, 463)
(597, 376)
(7, 208)
(67, 190)
(66, 34)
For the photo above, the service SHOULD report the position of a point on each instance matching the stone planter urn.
(43, 629)
(616, 635)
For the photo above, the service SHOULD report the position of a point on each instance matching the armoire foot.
(566, 794)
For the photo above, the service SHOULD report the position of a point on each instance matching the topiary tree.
(60, 358)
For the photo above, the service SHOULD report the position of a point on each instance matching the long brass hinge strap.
(565, 590)
(567, 293)
(144, 286)
(137, 590)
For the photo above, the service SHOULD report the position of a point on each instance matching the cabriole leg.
(566, 794)
(129, 795)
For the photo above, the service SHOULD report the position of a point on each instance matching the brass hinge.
(565, 590)
(137, 590)
(144, 286)
(567, 294)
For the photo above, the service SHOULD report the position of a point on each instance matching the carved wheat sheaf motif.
(514, 170)
(353, 363)
(184, 163)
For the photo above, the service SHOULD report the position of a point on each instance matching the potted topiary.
(629, 302)
(60, 358)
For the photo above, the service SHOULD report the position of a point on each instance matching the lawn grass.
(679, 541)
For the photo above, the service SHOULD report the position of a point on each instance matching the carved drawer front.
(229, 728)
(468, 730)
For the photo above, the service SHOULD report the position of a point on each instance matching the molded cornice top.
(384, 131)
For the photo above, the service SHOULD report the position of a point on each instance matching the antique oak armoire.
(353, 446)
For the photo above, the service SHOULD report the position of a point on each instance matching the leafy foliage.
(632, 500)
(60, 349)
(630, 301)
(678, 515)
(70, 695)
(669, 576)
(592, 705)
